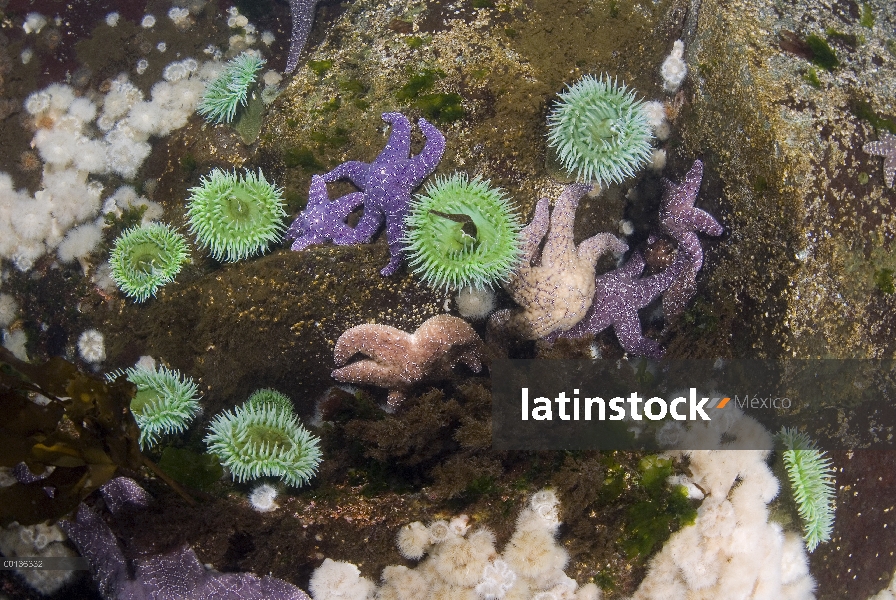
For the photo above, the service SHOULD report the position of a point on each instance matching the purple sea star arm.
(534, 232)
(646, 289)
(173, 576)
(343, 234)
(560, 239)
(302, 20)
(618, 296)
(369, 223)
(682, 289)
(394, 235)
(687, 190)
(386, 185)
(123, 491)
(628, 332)
(97, 543)
(422, 165)
(354, 170)
(24, 475)
(399, 144)
(682, 220)
(181, 575)
(706, 223)
(323, 220)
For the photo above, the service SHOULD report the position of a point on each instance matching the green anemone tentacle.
(264, 438)
(812, 483)
(146, 257)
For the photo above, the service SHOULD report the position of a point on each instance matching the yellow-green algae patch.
(505, 60)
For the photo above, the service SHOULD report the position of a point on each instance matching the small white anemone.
(91, 346)
(262, 498)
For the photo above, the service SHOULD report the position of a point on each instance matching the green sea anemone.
(269, 396)
(166, 401)
(230, 89)
(264, 439)
(462, 232)
(812, 483)
(146, 257)
(599, 131)
(235, 217)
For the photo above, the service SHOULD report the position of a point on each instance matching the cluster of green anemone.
(463, 233)
(460, 232)
(261, 438)
(232, 216)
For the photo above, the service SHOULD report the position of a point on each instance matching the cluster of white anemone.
(732, 550)
(78, 138)
(465, 565)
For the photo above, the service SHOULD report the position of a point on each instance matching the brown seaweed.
(84, 431)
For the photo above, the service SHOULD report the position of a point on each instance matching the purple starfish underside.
(172, 576)
(386, 186)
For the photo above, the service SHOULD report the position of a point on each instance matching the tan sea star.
(555, 292)
(398, 360)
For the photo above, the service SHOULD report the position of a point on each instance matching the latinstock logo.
(655, 406)
(633, 407)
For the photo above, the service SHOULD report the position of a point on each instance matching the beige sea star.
(398, 360)
(555, 292)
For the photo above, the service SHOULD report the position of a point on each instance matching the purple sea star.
(681, 220)
(398, 360)
(554, 293)
(885, 146)
(323, 220)
(302, 20)
(171, 576)
(386, 185)
(618, 295)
